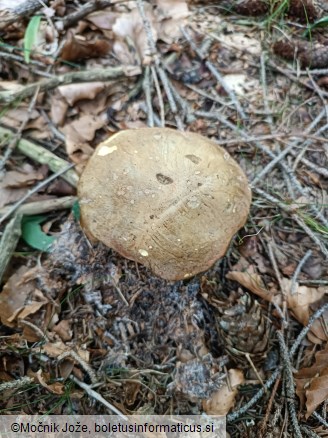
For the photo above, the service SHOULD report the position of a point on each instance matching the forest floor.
(84, 329)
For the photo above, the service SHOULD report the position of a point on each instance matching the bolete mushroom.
(167, 199)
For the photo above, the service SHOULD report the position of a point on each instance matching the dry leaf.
(131, 39)
(13, 184)
(24, 178)
(21, 300)
(13, 118)
(14, 296)
(78, 133)
(223, 399)
(104, 19)
(65, 367)
(9, 196)
(254, 283)
(300, 303)
(55, 349)
(171, 15)
(63, 330)
(240, 83)
(58, 110)
(312, 382)
(74, 92)
(55, 388)
(241, 41)
(77, 48)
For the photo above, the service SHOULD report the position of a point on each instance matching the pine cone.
(309, 54)
(251, 7)
(303, 10)
(243, 327)
(246, 7)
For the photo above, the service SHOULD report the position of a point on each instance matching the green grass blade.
(30, 36)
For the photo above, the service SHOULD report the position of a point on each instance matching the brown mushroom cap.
(170, 200)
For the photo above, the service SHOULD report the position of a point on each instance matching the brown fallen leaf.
(63, 330)
(27, 176)
(57, 388)
(58, 109)
(312, 382)
(13, 118)
(21, 301)
(9, 196)
(77, 48)
(74, 92)
(253, 282)
(223, 399)
(14, 296)
(78, 133)
(103, 19)
(14, 184)
(55, 349)
(301, 303)
(131, 44)
(171, 16)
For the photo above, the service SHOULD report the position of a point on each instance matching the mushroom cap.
(167, 199)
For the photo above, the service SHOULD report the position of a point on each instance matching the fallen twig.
(14, 384)
(35, 189)
(41, 155)
(92, 393)
(40, 207)
(22, 10)
(298, 270)
(17, 136)
(9, 242)
(289, 385)
(84, 10)
(68, 78)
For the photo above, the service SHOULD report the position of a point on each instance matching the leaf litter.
(189, 345)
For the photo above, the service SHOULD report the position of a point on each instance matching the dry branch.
(68, 78)
(41, 155)
(23, 10)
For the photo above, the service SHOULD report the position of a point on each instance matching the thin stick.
(289, 385)
(13, 384)
(42, 156)
(68, 78)
(287, 150)
(308, 432)
(162, 74)
(146, 85)
(263, 424)
(35, 328)
(22, 10)
(321, 419)
(9, 242)
(215, 73)
(34, 190)
(159, 95)
(310, 233)
(39, 207)
(15, 139)
(298, 270)
(82, 12)
(98, 397)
